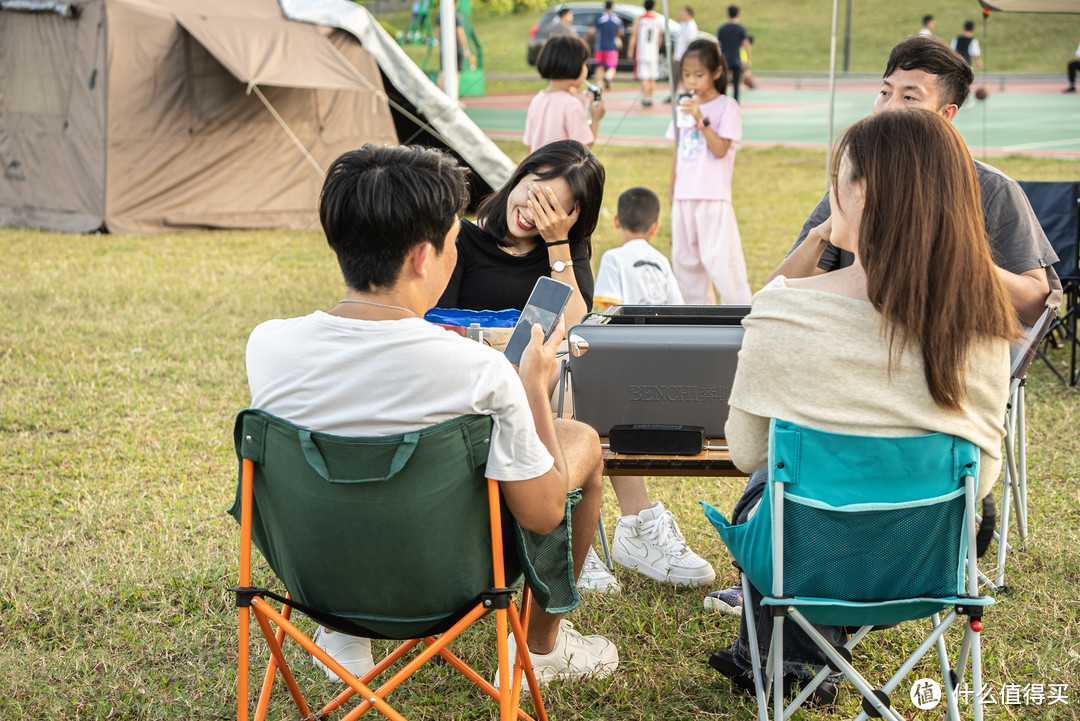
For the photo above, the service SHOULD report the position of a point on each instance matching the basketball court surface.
(1025, 115)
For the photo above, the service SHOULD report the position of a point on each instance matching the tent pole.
(284, 126)
(672, 80)
(832, 91)
(448, 46)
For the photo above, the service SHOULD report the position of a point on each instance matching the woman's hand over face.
(549, 215)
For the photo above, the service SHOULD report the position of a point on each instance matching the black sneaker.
(1070, 89)
(724, 662)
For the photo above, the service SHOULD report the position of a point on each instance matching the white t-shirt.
(636, 273)
(687, 33)
(700, 175)
(378, 378)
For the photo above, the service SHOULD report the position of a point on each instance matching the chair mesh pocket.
(872, 555)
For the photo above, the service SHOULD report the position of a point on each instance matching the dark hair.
(707, 52)
(562, 58)
(638, 209)
(929, 271)
(969, 25)
(563, 12)
(566, 159)
(733, 11)
(649, 5)
(379, 202)
(609, 4)
(688, 10)
(926, 53)
(926, 19)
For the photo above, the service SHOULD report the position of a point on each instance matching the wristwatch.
(705, 121)
(561, 265)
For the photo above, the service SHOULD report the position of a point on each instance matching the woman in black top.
(539, 223)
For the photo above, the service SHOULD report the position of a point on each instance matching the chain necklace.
(381, 305)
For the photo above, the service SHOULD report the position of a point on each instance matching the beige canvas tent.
(139, 116)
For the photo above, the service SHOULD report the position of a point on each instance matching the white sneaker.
(574, 656)
(651, 544)
(352, 652)
(596, 577)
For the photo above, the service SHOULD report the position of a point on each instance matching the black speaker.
(657, 439)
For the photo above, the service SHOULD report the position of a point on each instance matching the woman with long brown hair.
(912, 338)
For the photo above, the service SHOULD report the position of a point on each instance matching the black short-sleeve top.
(488, 278)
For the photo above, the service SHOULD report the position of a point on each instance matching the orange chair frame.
(508, 694)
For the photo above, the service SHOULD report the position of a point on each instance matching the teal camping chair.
(397, 537)
(863, 531)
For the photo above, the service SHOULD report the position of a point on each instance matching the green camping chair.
(397, 537)
(863, 531)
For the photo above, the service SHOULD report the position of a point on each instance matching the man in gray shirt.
(924, 72)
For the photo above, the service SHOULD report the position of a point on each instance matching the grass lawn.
(122, 367)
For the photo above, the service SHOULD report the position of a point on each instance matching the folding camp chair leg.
(809, 688)
(952, 691)
(242, 665)
(271, 673)
(604, 544)
(374, 673)
(776, 667)
(936, 638)
(976, 673)
(1003, 532)
(1021, 462)
(755, 652)
(261, 611)
(854, 677)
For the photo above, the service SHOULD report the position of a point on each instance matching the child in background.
(557, 112)
(647, 538)
(636, 273)
(705, 244)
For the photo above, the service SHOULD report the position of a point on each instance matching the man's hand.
(538, 361)
(802, 262)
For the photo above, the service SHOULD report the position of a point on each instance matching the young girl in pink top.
(557, 112)
(705, 244)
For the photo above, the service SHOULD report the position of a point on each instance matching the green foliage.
(499, 7)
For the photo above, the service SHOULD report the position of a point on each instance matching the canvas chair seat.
(861, 531)
(388, 537)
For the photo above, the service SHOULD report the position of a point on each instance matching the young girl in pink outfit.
(705, 244)
(558, 112)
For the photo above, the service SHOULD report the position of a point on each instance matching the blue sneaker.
(728, 601)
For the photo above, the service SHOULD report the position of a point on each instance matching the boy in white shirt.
(636, 273)
(647, 539)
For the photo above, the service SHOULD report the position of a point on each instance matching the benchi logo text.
(688, 394)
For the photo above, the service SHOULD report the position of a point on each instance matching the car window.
(585, 18)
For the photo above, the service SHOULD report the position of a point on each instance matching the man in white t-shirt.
(688, 31)
(645, 38)
(371, 366)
